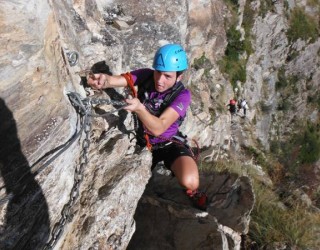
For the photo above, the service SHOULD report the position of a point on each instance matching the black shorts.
(170, 153)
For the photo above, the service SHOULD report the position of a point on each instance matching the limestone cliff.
(76, 181)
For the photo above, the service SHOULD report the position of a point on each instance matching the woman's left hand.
(134, 105)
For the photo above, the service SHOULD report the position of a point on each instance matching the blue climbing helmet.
(170, 57)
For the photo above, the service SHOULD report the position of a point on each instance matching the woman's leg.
(186, 171)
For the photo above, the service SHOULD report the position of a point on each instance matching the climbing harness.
(143, 135)
(149, 103)
(178, 139)
(162, 103)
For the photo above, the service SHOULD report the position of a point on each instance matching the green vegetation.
(275, 220)
(234, 3)
(284, 81)
(295, 226)
(258, 156)
(271, 220)
(265, 107)
(265, 7)
(221, 166)
(231, 62)
(203, 63)
(235, 46)
(247, 23)
(292, 55)
(284, 105)
(313, 3)
(302, 26)
(310, 144)
(302, 148)
(287, 86)
(238, 49)
(314, 99)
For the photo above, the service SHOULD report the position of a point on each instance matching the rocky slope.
(81, 190)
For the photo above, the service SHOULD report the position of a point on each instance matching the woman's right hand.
(97, 81)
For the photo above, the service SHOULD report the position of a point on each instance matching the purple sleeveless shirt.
(180, 104)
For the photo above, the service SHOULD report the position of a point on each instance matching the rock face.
(76, 184)
(37, 122)
(165, 220)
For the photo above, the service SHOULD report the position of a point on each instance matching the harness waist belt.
(160, 145)
(180, 138)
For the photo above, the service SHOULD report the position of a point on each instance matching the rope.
(130, 83)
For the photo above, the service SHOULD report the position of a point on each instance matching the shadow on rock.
(26, 222)
(166, 219)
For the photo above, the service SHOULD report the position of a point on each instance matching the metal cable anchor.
(73, 58)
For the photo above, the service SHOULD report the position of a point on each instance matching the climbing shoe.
(199, 199)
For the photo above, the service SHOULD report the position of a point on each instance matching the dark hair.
(179, 73)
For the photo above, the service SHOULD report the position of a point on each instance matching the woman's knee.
(189, 181)
(186, 171)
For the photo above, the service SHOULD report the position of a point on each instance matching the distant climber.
(242, 104)
(161, 105)
(232, 107)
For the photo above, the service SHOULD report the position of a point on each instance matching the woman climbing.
(161, 105)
